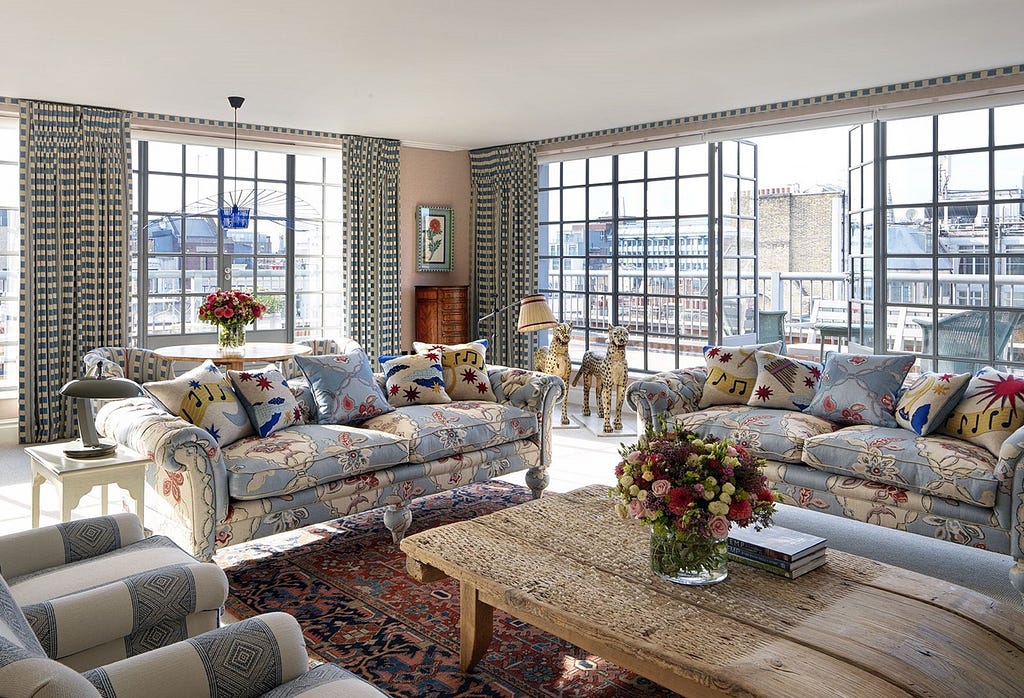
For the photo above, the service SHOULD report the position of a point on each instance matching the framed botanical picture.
(434, 241)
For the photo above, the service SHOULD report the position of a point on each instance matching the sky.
(806, 158)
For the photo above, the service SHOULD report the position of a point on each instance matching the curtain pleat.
(504, 269)
(75, 198)
(372, 275)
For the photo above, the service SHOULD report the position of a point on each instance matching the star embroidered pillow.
(731, 373)
(267, 399)
(860, 388)
(344, 387)
(929, 400)
(990, 410)
(415, 379)
(204, 397)
(463, 368)
(784, 383)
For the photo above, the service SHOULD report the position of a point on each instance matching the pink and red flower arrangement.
(231, 308)
(677, 481)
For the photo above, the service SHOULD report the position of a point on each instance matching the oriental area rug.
(346, 584)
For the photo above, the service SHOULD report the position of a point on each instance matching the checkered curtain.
(504, 269)
(371, 273)
(75, 198)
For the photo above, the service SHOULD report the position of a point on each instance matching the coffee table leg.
(476, 626)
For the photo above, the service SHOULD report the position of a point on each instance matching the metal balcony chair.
(966, 335)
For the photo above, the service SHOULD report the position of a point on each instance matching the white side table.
(74, 478)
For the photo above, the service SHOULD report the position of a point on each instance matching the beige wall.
(431, 178)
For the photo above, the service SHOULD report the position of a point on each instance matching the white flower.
(729, 488)
(718, 508)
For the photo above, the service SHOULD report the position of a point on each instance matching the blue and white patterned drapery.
(372, 278)
(75, 198)
(504, 188)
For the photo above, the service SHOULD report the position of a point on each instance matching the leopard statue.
(608, 372)
(556, 361)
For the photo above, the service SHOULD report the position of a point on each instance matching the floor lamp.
(534, 315)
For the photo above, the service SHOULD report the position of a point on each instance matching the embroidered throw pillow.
(343, 387)
(463, 368)
(731, 373)
(784, 383)
(990, 410)
(415, 379)
(929, 400)
(204, 397)
(267, 399)
(860, 388)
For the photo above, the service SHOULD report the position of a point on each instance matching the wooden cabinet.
(442, 314)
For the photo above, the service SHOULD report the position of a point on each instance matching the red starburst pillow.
(990, 410)
(463, 367)
(784, 383)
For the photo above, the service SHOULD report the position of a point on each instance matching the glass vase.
(231, 340)
(688, 558)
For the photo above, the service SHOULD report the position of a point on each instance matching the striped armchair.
(133, 363)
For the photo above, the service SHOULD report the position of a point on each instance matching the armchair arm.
(671, 392)
(37, 549)
(163, 596)
(206, 665)
(194, 480)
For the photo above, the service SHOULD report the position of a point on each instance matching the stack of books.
(778, 550)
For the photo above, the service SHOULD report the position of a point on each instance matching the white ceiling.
(466, 74)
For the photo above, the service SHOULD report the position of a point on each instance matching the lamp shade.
(535, 314)
(101, 388)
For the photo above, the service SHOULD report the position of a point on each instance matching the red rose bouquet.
(231, 309)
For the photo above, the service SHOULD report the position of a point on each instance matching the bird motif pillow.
(463, 368)
(267, 399)
(204, 397)
(415, 379)
(929, 400)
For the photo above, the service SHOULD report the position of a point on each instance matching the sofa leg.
(1017, 576)
(397, 519)
(537, 479)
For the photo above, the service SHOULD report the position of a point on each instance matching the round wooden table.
(252, 351)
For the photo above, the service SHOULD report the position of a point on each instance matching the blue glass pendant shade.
(233, 218)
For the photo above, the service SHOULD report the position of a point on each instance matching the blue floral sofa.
(935, 485)
(308, 473)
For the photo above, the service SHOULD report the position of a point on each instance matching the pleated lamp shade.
(535, 314)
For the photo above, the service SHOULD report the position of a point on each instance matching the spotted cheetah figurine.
(608, 372)
(557, 362)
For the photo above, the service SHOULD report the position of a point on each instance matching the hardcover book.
(776, 542)
(795, 565)
(779, 571)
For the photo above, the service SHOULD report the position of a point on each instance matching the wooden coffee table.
(855, 627)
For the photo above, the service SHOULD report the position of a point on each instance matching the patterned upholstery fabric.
(766, 433)
(435, 431)
(133, 363)
(860, 388)
(784, 382)
(668, 393)
(731, 373)
(924, 406)
(267, 399)
(990, 411)
(344, 387)
(192, 473)
(321, 346)
(463, 367)
(204, 397)
(938, 465)
(416, 379)
(307, 455)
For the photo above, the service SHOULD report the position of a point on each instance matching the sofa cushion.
(267, 399)
(343, 387)
(940, 466)
(860, 388)
(464, 369)
(306, 455)
(435, 431)
(784, 382)
(204, 397)
(731, 373)
(773, 434)
(924, 406)
(415, 379)
(990, 410)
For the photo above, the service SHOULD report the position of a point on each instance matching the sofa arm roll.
(668, 393)
(1011, 455)
(528, 390)
(25, 552)
(206, 665)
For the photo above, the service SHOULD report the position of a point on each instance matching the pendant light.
(232, 217)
